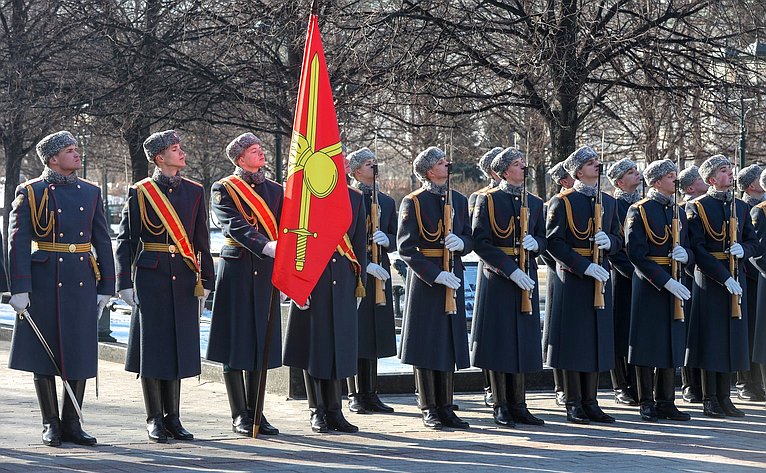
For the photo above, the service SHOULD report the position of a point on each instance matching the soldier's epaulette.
(354, 189)
(566, 192)
(416, 192)
(762, 205)
(191, 182)
(136, 184)
(642, 201)
(92, 183)
(491, 191)
(273, 182)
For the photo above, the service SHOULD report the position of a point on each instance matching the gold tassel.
(359, 292)
(96, 271)
(199, 291)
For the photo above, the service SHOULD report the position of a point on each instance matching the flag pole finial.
(315, 7)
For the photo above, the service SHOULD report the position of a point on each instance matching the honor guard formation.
(666, 273)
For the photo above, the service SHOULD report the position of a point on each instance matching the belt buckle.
(172, 249)
(72, 248)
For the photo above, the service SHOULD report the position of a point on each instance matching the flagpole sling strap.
(238, 189)
(172, 224)
(347, 251)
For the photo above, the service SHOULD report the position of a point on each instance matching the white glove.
(448, 279)
(381, 239)
(679, 254)
(677, 289)
(19, 302)
(529, 243)
(453, 242)
(303, 307)
(282, 296)
(733, 286)
(602, 241)
(597, 272)
(737, 250)
(270, 249)
(129, 296)
(358, 302)
(205, 293)
(377, 271)
(522, 280)
(101, 302)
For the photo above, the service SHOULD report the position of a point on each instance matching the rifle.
(450, 304)
(736, 309)
(675, 268)
(598, 211)
(526, 296)
(380, 294)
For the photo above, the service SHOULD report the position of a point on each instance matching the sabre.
(25, 315)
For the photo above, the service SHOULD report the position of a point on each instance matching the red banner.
(316, 211)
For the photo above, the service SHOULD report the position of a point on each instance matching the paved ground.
(389, 443)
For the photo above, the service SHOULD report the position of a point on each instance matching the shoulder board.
(273, 182)
(491, 191)
(134, 186)
(92, 183)
(354, 189)
(762, 205)
(642, 201)
(416, 192)
(566, 192)
(191, 182)
(31, 181)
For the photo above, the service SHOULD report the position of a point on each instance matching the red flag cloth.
(316, 212)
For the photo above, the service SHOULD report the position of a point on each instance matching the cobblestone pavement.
(386, 443)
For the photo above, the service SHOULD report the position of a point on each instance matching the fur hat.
(485, 162)
(158, 142)
(657, 169)
(575, 161)
(504, 159)
(49, 146)
(425, 161)
(238, 146)
(711, 165)
(359, 157)
(687, 176)
(618, 169)
(748, 175)
(557, 172)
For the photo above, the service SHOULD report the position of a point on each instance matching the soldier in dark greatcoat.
(717, 341)
(581, 340)
(749, 383)
(758, 215)
(625, 178)
(56, 225)
(692, 186)
(509, 344)
(657, 339)
(322, 336)
(485, 166)
(377, 332)
(560, 176)
(3, 274)
(165, 272)
(433, 341)
(247, 206)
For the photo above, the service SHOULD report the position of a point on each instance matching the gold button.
(60, 284)
(82, 259)
(72, 248)
(61, 260)
(334, 283)
(61, 235)
(80, 283)
(173, 278)
(59, 210)
(172, 249)
(172, 255)
(81, 209)
(81, 234)
(170, 190)
(334, 260)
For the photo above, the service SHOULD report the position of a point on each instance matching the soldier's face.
(630, 180)
(439, 172)
(666, 184)
(514, 173)
(698, 187)
(589, 170)
(66, 161)
(252, 159)
(755, 187)
(567, 182)
(172, 157)
(364, 173)
(723, 178)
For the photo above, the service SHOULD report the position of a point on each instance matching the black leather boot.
(425, 385)
(710, 405)
(334, 417)
(444, 401)
(253, 381)
(489, 400)
(171, 404)
(241, 423)
(573, 397)
(501, 414)
(691, 380)
(590, 405)
(155, 422)
(645, 385)
(517, 400)
(71, 430)
(45, 386)
(355, 391)
(619, 375)
(317, 404)
(723, 386)
(558, 387)
(665, 394)
(372, 402)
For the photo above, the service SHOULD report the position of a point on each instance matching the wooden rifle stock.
(736, 309)
(450, 303)
(380, 293)
(526, 296)
(598, 291)
(675, 267)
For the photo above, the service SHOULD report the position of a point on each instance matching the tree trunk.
(13, 146)
(135, 136)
